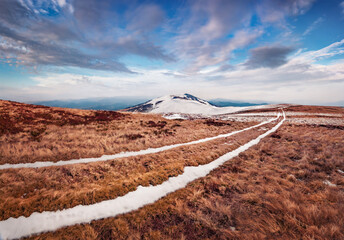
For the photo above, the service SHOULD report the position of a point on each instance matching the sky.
(280, 51)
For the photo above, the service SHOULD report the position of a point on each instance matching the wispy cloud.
(145, 18)
(275, 11)
(313, 26)
(202, 40)
(342, 6)
(331, 50)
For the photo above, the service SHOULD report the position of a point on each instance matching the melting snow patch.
(327, 182)
(50, 221)
(174, 116)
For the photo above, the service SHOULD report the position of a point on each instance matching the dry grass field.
(50, 189)
(289, 186)
(30, 133)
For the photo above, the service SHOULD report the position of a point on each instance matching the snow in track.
(51, 221)
(125, 154)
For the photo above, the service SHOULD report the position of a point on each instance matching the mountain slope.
(185, 103)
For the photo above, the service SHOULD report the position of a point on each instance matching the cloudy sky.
(267, 50)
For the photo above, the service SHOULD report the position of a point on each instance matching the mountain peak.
(187, 96)
(182, 103)
(171, 103)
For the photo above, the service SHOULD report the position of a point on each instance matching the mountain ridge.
(184, 103)
(154, 103)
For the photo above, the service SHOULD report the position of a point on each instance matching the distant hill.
(119, 103)
(186, 104)
(230, 103)
(114, 104)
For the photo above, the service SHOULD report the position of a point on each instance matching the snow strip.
(51, 221)
(327, 182)
(126, 154)
(174, 116)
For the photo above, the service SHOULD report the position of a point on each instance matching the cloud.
(202, 39)
(52, 86)
(92, 17)
(34, 53)
(99, 34)
(14, 13)
(145, 17)
(57, 33)
(225, 67)
(342, 6)
(46, 6)
(301, 68)
(197, 46)
(313, 26)
(331, 50)
(132, 45)
(275, 11)
(268, 56)
(220, 53)
(299, 80)
(295, 82)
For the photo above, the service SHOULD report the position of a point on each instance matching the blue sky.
(268, 50)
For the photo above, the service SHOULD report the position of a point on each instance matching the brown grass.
(274, 190)
(28, 190)
(35, 133)
(316, 109)
(300, 108)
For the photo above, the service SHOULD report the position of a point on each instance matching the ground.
(289, 186)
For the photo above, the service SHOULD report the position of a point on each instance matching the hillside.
(273, 173)
(187, 104)
(114, 103)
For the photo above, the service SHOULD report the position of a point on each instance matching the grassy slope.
(29, 190)
(274, 190)
(30, 133)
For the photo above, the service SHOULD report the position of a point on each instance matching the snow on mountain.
(185, 103)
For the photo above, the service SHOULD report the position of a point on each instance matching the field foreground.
(290, 185)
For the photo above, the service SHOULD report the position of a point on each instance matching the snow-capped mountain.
(185, 103)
